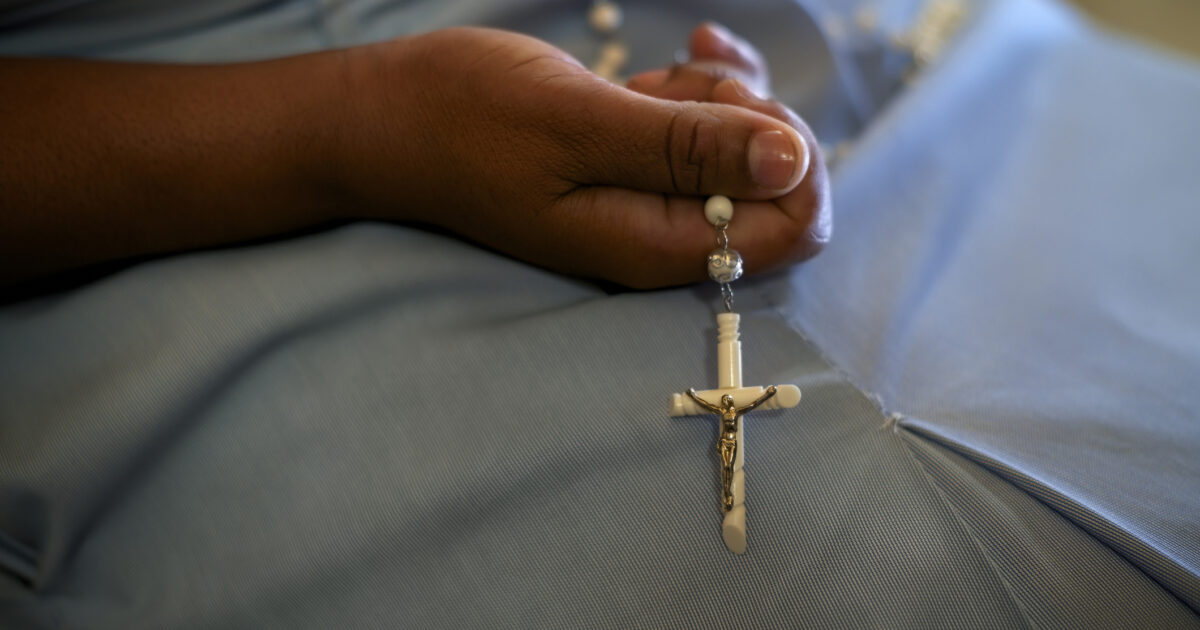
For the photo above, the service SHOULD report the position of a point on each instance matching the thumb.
(645, 143)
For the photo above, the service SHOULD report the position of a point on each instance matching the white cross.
(742, 399)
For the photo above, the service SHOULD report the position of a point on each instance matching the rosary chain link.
(723, 243)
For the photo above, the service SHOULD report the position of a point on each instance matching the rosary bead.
(613, 56)
(605, 17)
(614, 53)
(724, 265)
(718, 210)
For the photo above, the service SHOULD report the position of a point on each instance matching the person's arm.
(102, 161)
(498, 137)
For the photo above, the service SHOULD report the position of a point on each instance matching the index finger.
(712, 42)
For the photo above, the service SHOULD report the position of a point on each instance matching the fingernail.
(773, 159)
(723, 42)
(720, 31)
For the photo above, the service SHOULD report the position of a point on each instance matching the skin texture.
(498, 137)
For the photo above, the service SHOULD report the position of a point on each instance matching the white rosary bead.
(614, 53)
(718, 210)
(724, 265)
(613, 56)
(605, 17)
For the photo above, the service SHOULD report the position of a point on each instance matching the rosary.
(730, 401)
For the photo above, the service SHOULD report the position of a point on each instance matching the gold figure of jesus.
(727, 443)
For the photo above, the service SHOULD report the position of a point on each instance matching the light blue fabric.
(381, 427)
(1024, 290)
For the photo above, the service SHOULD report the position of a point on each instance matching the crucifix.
(730, 400)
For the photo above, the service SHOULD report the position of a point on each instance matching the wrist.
(374, 132)
(313, 123)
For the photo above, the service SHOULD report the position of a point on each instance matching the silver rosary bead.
(724, 265)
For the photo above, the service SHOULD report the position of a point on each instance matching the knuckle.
(685, 84)
(693, 150)
(701, 77)
(669, 148)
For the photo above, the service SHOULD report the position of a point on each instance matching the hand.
(724, 68)
(510, 142)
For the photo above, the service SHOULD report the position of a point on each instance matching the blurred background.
(1173, 24)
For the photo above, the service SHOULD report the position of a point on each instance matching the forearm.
(498, 137)
(103, 161)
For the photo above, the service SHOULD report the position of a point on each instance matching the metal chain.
(723, 243)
